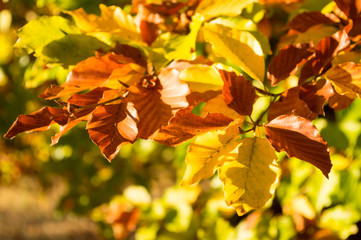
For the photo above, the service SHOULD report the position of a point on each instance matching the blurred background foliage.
(138, 195)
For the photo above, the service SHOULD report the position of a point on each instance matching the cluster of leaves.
(151, 73)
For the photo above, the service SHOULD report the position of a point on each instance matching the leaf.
(238, 92)
(316, 95)
(184, 46)
(210, 9)
(218, 105)
(207, 152)
(346, 78)
(78, 47)
(350, 7)
(239, 47)
(306, 20)
(37, 121)
(287, 61)
(42, 31)
(157, 104)
(112, 20)
(149, 31)
(339, 102)
(290, 103)
(185, 125)
(111, 126)
(202, 78)
(299, 138)
(89, 98)
(251, 177)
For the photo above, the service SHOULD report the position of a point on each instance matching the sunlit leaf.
(299, 138)
(305, 20)
(346, 78)
(218, 105)
(339, 102)
(38, 121)
(238, 92)
(250, 178)
(111, 126)
(210, 9)
(239, 47)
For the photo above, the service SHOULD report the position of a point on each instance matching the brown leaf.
(157, 104)
(286, 62)
(339, 102)
(325, 51)
(149, 31)
(185, 125)
(352, 8)
(299, 138)
(38, 121)
(111, 126)
(290, 103)
(238, 92)
(305, 20)
(316, 95)
(89, 98)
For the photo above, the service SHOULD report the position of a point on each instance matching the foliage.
(219, 76)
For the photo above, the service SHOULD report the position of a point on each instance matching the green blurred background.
(70, 191)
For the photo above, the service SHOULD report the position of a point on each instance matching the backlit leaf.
(286, 62)
(339, 102)
(210, 9)
(305, 20)
(38, 121)
(239, 47)
(111, 126)
(346, 78)
(185, 125)
(299, 138)
(218, 105)
(238, 92)
(207, 152)
(290, 103)
(111, 20)
(250, 178)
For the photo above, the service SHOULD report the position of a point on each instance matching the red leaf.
(299, 138)
(38, 121)
(352, 8)
(238, 92)
(290, 103)
(316, 95)
(306, 20)
(89, 98)
(111, 126)
(287, 61)
(185, 125)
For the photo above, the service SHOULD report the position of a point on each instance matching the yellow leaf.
(241, 48)
(218, 105)
(128, 74)
(202, 78)
(250, 178)
(111, 20)
(346, 78)
(213, 8)
(208, 151)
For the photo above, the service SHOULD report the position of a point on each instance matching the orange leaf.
(38, 121)
(286, 62)
(185, 125)
(306, 20)
(89, 98)
(290, 103)
(339, 102)
(238, 92)
(299, 138)
(111, 126)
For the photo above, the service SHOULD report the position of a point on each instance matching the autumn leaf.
(38, 121)
(185, 125)
(241, 48)
(339, 102)
(290, 103)
(299, 138)
(251, 177)
(111, 126)
(218, 105)
(286, 62)
(305, 20)
(207, 152)
(238, 92)
(346, 78)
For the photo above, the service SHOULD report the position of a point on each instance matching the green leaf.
(239, 47)
(40, 32)
(251, 177)
(78, 48)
